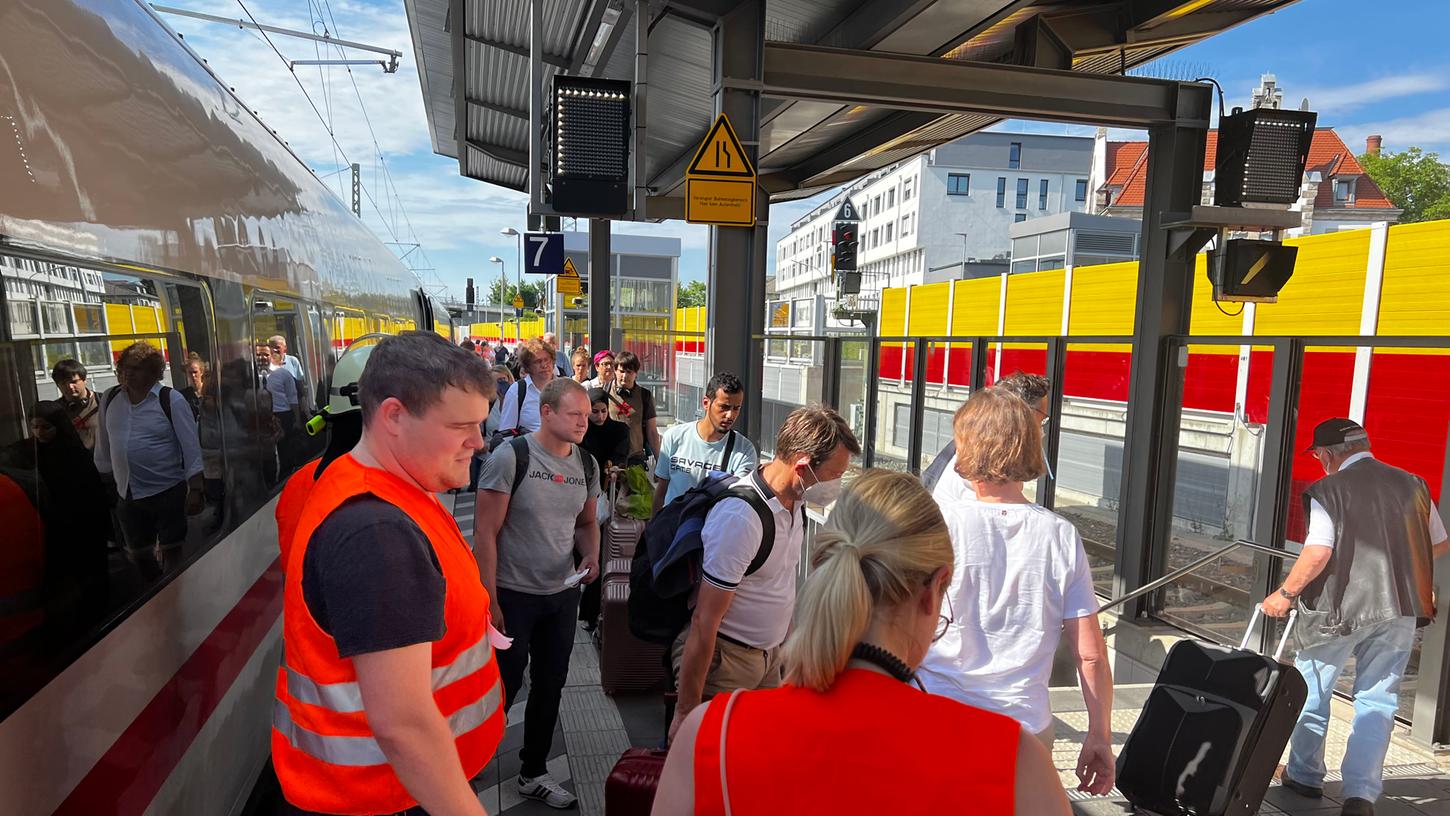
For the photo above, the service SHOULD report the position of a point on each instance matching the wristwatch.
(1287, 594)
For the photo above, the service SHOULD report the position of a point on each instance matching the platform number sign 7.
(543, 253)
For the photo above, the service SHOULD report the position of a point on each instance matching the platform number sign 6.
(543, 253)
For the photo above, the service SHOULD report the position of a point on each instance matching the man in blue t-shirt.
(691, 451)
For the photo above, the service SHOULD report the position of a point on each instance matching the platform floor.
(594, 729)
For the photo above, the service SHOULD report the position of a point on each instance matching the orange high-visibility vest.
(291, 504)
(325, 754)
(868, 744)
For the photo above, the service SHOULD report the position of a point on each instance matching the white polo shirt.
(765, 600)
(509, 415)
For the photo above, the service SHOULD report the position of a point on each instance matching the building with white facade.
(941, 215)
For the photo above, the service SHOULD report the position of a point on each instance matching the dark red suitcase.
(621, 535)
(627, 663)
(630, 788)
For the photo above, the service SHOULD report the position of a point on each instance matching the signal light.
(1247, 270)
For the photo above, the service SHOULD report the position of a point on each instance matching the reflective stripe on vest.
(346, 698)
(363, 751)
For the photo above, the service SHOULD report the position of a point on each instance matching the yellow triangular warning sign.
(721, 154)
(568, 282)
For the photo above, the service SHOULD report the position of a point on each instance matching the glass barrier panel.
(1089, 468)
(787, 384)
(893, 406)
(854, 392)
(943, 397)
(1220, 442)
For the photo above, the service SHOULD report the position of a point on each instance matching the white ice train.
(141, 199)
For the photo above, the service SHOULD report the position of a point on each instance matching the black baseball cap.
(1336, 431)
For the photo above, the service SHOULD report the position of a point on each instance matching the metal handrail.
(1188, 568)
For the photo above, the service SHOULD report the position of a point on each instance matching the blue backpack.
(668, 562)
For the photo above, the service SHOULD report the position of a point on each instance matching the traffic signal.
(1247, 270)
(843, 237)
(469, 295)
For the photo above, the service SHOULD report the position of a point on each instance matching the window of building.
(891, 198)
(1022, 194)
(906, 187)
(1019, 218)
(1001, 192)
(1342, 191)
(876, 237)
(959, 184)
(1042, 195)
(888, 232)
(906, 224)
(1081, 192)
(876, 205)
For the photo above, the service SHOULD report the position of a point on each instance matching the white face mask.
(822, 493)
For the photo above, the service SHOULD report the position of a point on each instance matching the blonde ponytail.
(882, 541)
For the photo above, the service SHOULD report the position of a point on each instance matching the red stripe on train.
(131, 773)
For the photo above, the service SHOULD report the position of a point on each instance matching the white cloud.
(1429, 130)
(1341, 98)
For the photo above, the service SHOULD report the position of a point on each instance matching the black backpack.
(164, 396)
(659, 596)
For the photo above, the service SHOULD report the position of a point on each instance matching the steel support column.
(873, 395)
(831, 373)
(1271, 505)
(1155, 404)
(918, 405)
(1431, 716)
(978, 375)
(600, 290)
(736, 313)
(1052, 444)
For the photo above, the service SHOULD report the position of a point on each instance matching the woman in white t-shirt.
(1020, 585)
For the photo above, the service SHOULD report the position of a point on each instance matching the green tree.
(1415, 181)
(690, 295)
(533, 293)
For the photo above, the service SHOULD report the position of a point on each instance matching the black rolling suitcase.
(1213, 729)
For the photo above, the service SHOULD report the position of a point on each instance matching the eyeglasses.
(945, 622)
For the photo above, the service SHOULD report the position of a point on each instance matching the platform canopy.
(808, 141)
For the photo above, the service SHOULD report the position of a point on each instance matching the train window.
(287, 373)
(102, 494)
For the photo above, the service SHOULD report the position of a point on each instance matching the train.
(143, 200)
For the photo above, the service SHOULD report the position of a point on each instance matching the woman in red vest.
(850, 732)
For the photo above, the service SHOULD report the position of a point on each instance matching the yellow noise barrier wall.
(1333, 276)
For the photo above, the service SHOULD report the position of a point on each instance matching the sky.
(1364, 72)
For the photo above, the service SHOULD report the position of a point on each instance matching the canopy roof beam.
(933, 85)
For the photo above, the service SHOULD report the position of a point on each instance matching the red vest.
(870, 744)
(326, 756)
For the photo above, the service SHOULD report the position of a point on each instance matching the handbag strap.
(724, 729)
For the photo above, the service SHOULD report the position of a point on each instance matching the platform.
(595, 728)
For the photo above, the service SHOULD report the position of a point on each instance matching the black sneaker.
(1307, 791)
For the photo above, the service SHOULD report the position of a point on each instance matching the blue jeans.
(1380, 653)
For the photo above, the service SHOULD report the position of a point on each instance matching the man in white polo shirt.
(691, 451)
(742, 615)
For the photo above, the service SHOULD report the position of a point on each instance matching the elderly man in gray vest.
(1363, 586)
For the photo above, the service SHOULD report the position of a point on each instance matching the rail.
(1159, 583)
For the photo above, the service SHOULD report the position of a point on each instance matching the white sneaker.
(546, 790)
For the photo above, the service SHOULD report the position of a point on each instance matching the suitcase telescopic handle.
(1253, 621)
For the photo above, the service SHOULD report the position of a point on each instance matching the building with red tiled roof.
(1336, 194)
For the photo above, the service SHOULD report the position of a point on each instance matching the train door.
(288, 370)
